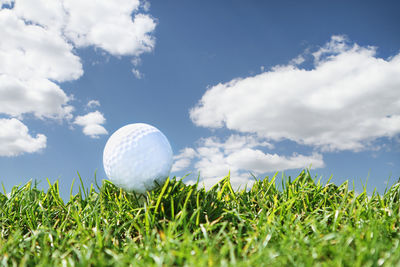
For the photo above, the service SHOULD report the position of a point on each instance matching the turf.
(301, 222)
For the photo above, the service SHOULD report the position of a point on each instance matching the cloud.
(38, 50)
(40, 97)
(15, 139)
(32, 59)
(217, 157)
(102, 22)
(96, 23)
(136, 61)
(137, 73)
(92, 124)
(183, 159)
(348, 99)
(239, 155)
(30, 51)
(35, 36)
(93, 104)
(259, 162)
(49, 15)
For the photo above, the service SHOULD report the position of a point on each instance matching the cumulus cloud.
(109, 25)
(40, 97)
(92, 124)
(241, 155)
(94, 23)
(32, 59)
(15, 139)
(38, 43)
(348, 99)
(35, 52)
(31, 51)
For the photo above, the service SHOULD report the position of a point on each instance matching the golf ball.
(137, 157)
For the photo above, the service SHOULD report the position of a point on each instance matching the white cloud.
(337, 45)
(30, 51)
(92, 124)
(347, 100)
(109, 25)
(37, 50)
(40, 97)
(137, 73)
(183, 159)
(33, 45)
(239, 155)
(48, 14)
(297, 60)
(32, 59)
(93, 104)
(235, 142)
(259, 162)
(216, 158)
(15, 139)
(136, 61)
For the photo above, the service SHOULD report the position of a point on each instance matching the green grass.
(299, 223)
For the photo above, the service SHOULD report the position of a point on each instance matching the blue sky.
(240, 86)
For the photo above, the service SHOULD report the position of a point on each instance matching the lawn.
(300, 222)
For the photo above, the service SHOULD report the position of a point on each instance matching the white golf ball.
(137, 157)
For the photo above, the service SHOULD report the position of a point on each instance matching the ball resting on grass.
(137, 157)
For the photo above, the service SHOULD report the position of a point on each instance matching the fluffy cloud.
(94, 23)
(241, 155)
(40, 97)
(349, 98)
(92, 124)
(15, 139)
(31, 60)
(107, 22)
(259, 162)
(47, 14)
(37, 51)
(31, 51)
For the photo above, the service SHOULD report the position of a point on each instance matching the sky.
(241, 87)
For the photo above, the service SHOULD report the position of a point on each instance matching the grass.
(300, 223)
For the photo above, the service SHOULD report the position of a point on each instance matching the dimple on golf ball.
(137, 157)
